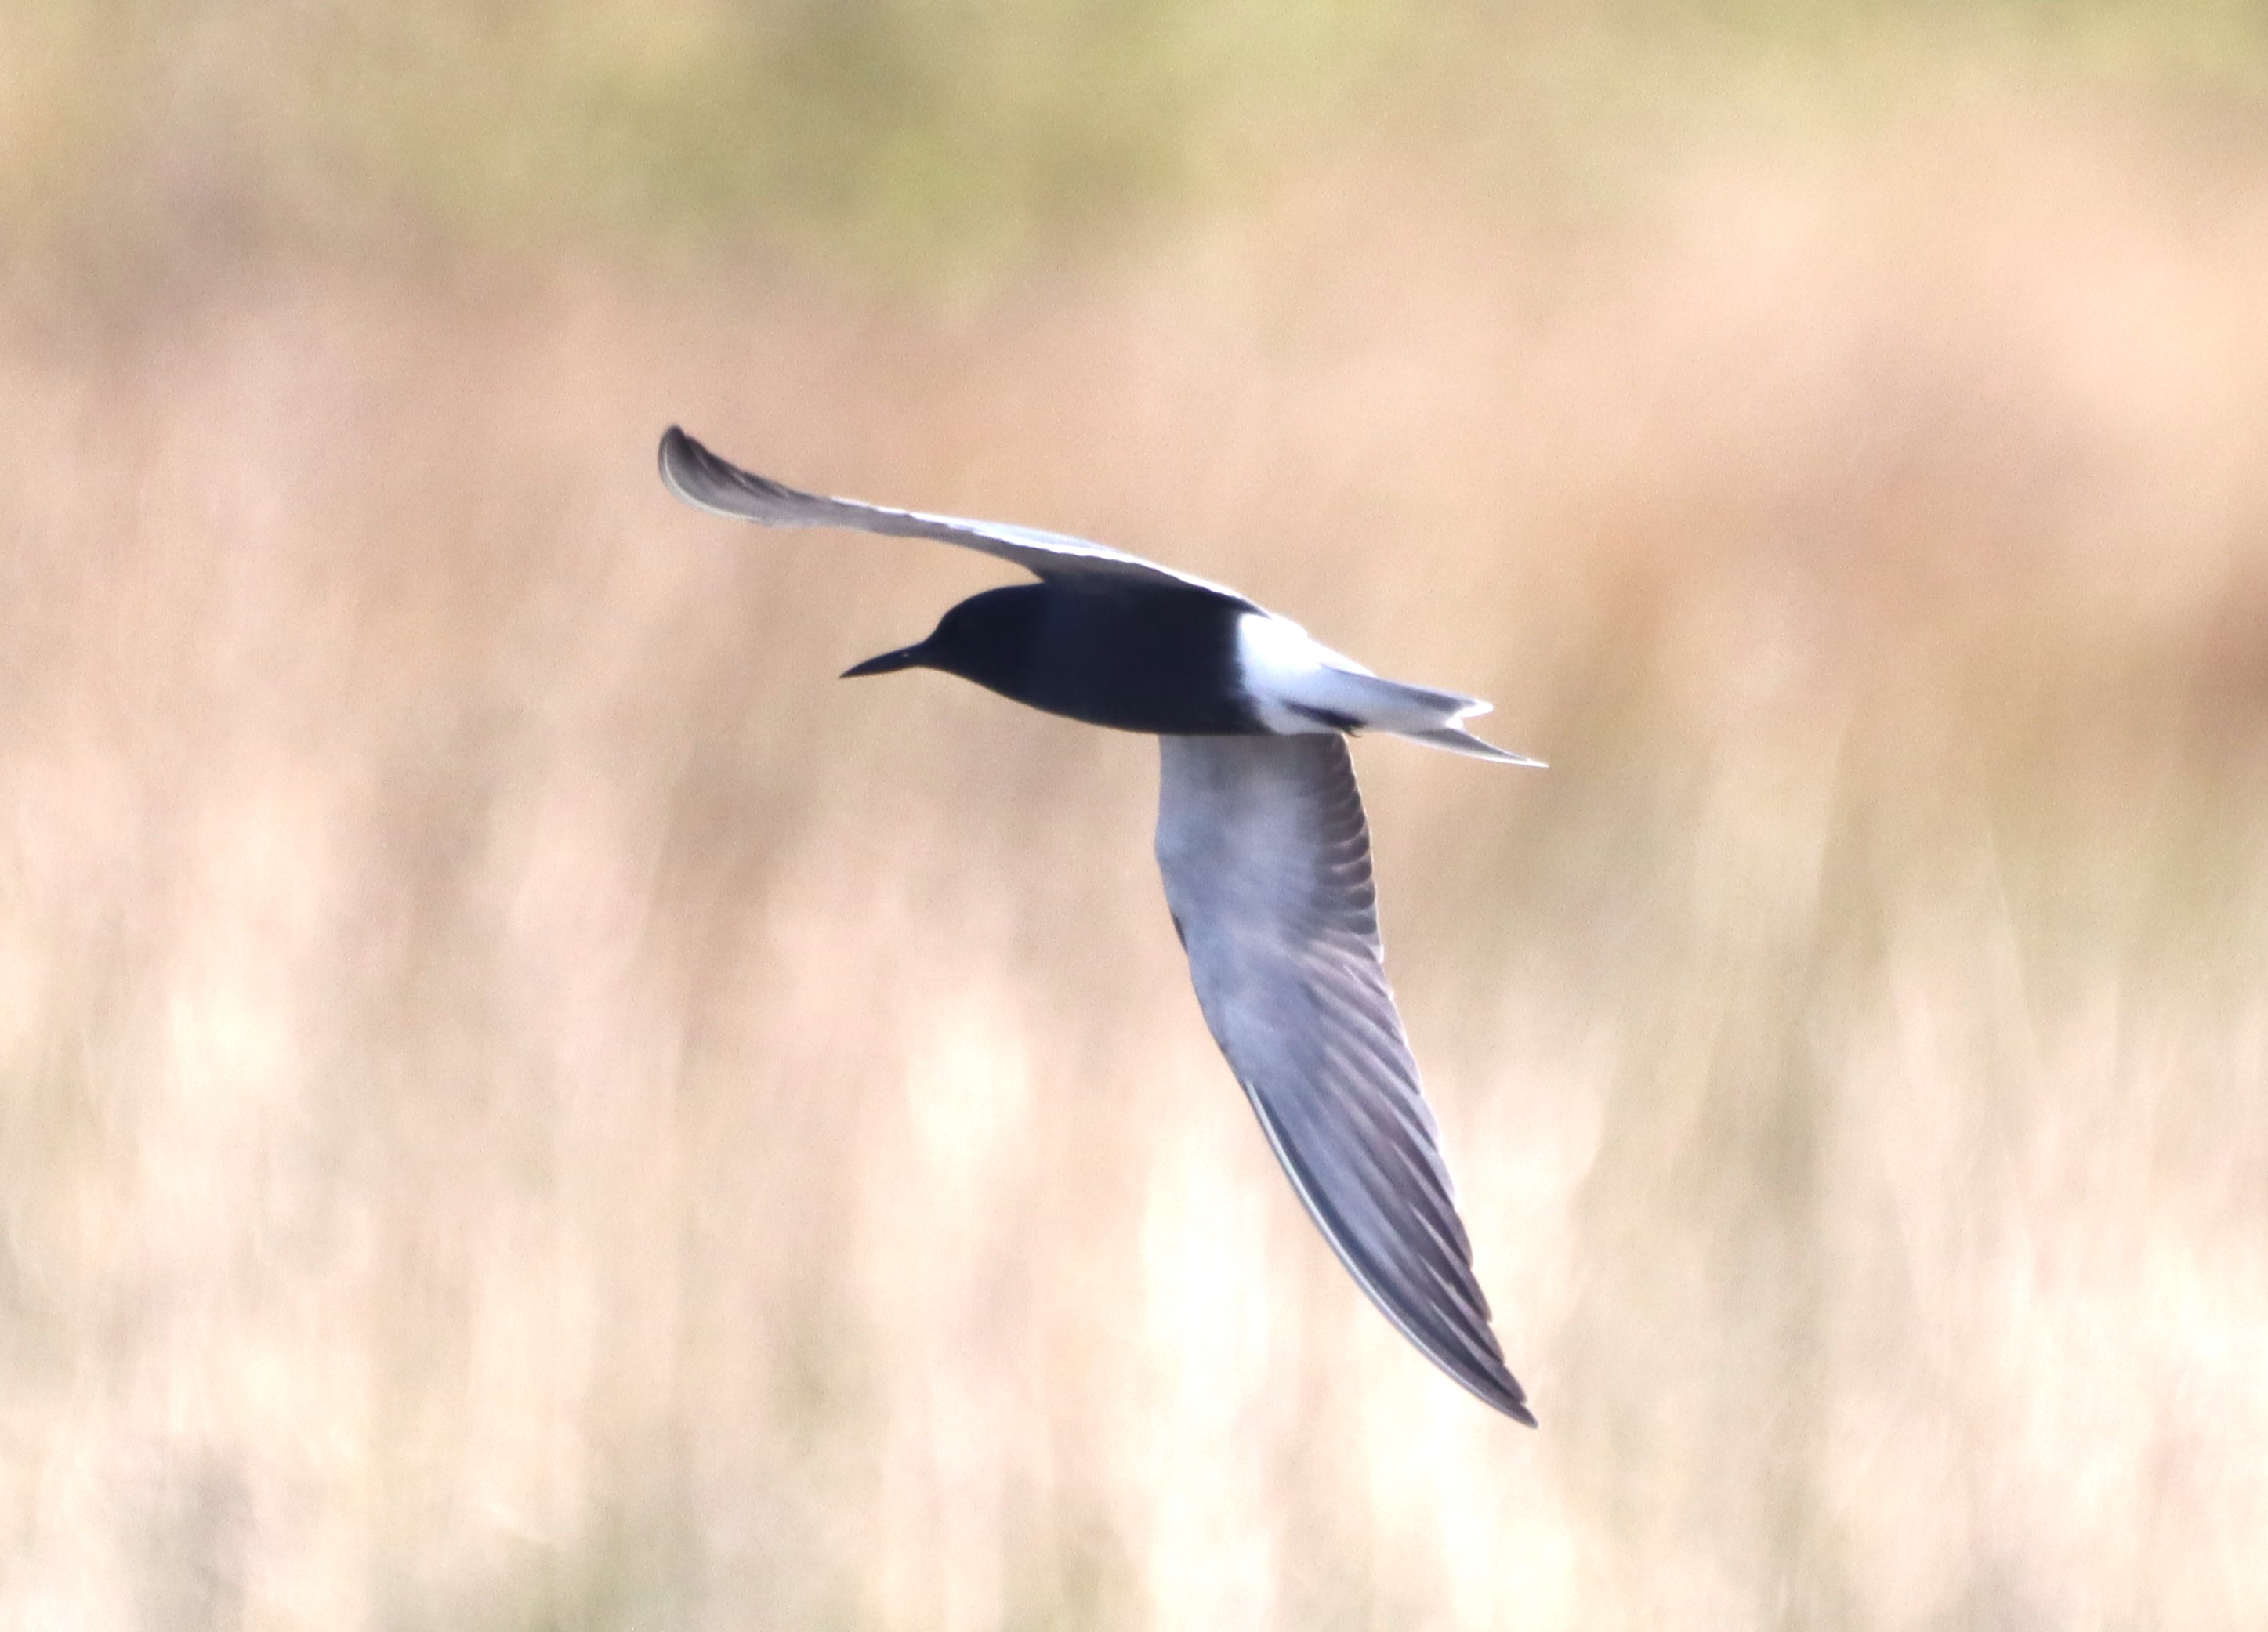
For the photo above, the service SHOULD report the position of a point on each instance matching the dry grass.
(524, 1103)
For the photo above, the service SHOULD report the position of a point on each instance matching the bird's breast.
(1166, 664)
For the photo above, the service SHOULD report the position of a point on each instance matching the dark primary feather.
(1266, 859)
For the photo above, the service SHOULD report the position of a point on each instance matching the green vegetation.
(896, 133)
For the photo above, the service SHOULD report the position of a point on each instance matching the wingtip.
(1498, 1387)
(676, 452)
(1487, 1378)
(710, 482)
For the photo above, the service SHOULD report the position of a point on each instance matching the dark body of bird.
(1161, 661)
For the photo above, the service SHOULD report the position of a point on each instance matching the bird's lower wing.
(1266, 859)
(717, 485)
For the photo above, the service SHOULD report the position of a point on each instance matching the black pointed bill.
(888, 663)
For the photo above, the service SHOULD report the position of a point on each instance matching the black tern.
(1266, 852)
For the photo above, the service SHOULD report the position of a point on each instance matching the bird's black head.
(989, 638)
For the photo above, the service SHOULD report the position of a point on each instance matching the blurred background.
(523, 1104)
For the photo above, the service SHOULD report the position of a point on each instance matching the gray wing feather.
(1266, 858)
(723, 488)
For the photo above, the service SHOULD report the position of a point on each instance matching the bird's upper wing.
(723, 488)
(1267, 863)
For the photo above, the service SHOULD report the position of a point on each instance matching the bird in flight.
(1264, 850)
